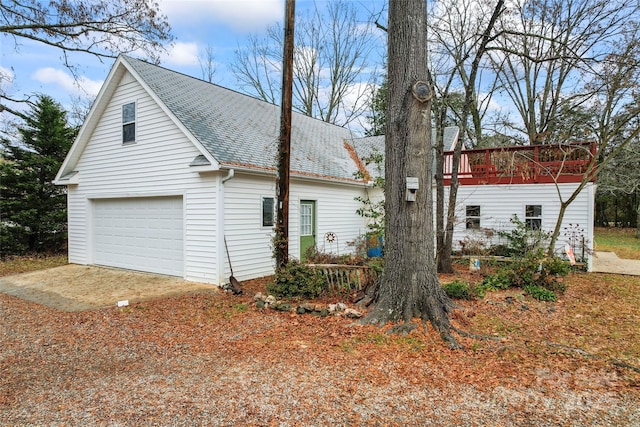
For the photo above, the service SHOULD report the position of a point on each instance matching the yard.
(216, 359)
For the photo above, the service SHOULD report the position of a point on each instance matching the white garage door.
(139, 234)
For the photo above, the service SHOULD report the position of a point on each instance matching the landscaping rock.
(352, 314)
(283, 306)
(308, 307)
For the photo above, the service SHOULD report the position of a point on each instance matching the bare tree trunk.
(409, 286)
(638, 220)
(445, 265)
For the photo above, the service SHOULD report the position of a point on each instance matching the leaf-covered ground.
(215, 359)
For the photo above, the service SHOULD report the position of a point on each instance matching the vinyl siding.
(335, 212)
(498, 203)
(249, 243)
(156, 164)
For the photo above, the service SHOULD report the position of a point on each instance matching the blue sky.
(221, 24)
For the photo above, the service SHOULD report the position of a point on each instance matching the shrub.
(534, 269)
(462, 290)
(477, 243)
(522, 240)
(296, 280)
(457, 290)
(499, 280)
(540, 293)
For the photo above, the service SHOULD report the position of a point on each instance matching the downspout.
(220, 241)
(230, 175)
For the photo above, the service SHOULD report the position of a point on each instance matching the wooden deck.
(522, 165)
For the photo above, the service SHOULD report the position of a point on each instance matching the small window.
(533, 216)
(129, 123)
(473, 217)
(268, 211)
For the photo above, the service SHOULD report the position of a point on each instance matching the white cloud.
(241, 15)
(83, 86)
(182, 54)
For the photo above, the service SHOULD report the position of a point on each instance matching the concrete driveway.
(79, 287)
(609, 262)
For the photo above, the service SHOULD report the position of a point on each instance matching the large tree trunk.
(409, 286)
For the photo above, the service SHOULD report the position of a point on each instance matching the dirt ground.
(79, 287)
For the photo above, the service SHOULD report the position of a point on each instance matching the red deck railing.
(522, 165)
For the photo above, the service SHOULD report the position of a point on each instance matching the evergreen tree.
(33, 210)
(378, 110)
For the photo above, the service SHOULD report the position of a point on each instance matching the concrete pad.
(609, 262)
(79, 287)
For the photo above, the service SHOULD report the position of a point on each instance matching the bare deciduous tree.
(550, 50)
(331, 58)
(559, 57)
(207, 63)
(103, 29)
(462, 50)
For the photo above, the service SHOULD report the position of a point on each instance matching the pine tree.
(33, 210)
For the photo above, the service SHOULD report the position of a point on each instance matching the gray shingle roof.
(365, 147)
(241, 130)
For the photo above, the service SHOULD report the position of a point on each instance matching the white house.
(167, 167)
(528, 181)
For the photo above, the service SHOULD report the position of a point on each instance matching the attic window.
(129, 123)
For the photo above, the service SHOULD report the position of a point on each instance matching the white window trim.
(135, 123)
(467, 217)
(262, 199)
(526, 218)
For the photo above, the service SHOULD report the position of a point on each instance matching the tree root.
(402, 329)
(584, 353)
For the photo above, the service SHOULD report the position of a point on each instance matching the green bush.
(533, 269)
(500, 280)
(462, 290)
(296, 280)
(457, 290)
(540, 293)
(522, 240)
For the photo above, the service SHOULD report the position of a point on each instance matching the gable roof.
(232, 130)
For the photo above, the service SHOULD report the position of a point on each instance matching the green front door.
(307, 226)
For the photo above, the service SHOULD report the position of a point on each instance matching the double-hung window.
(533, 216)
(129, 123)
(473, 217)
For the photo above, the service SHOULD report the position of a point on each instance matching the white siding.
(498, 203)
(249, 243)
(156, 165)
(336, 212)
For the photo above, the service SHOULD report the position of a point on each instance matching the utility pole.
(281, 243)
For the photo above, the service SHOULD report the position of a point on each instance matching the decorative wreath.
(330, 236)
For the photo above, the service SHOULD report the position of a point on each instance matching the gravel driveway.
(79, 287)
